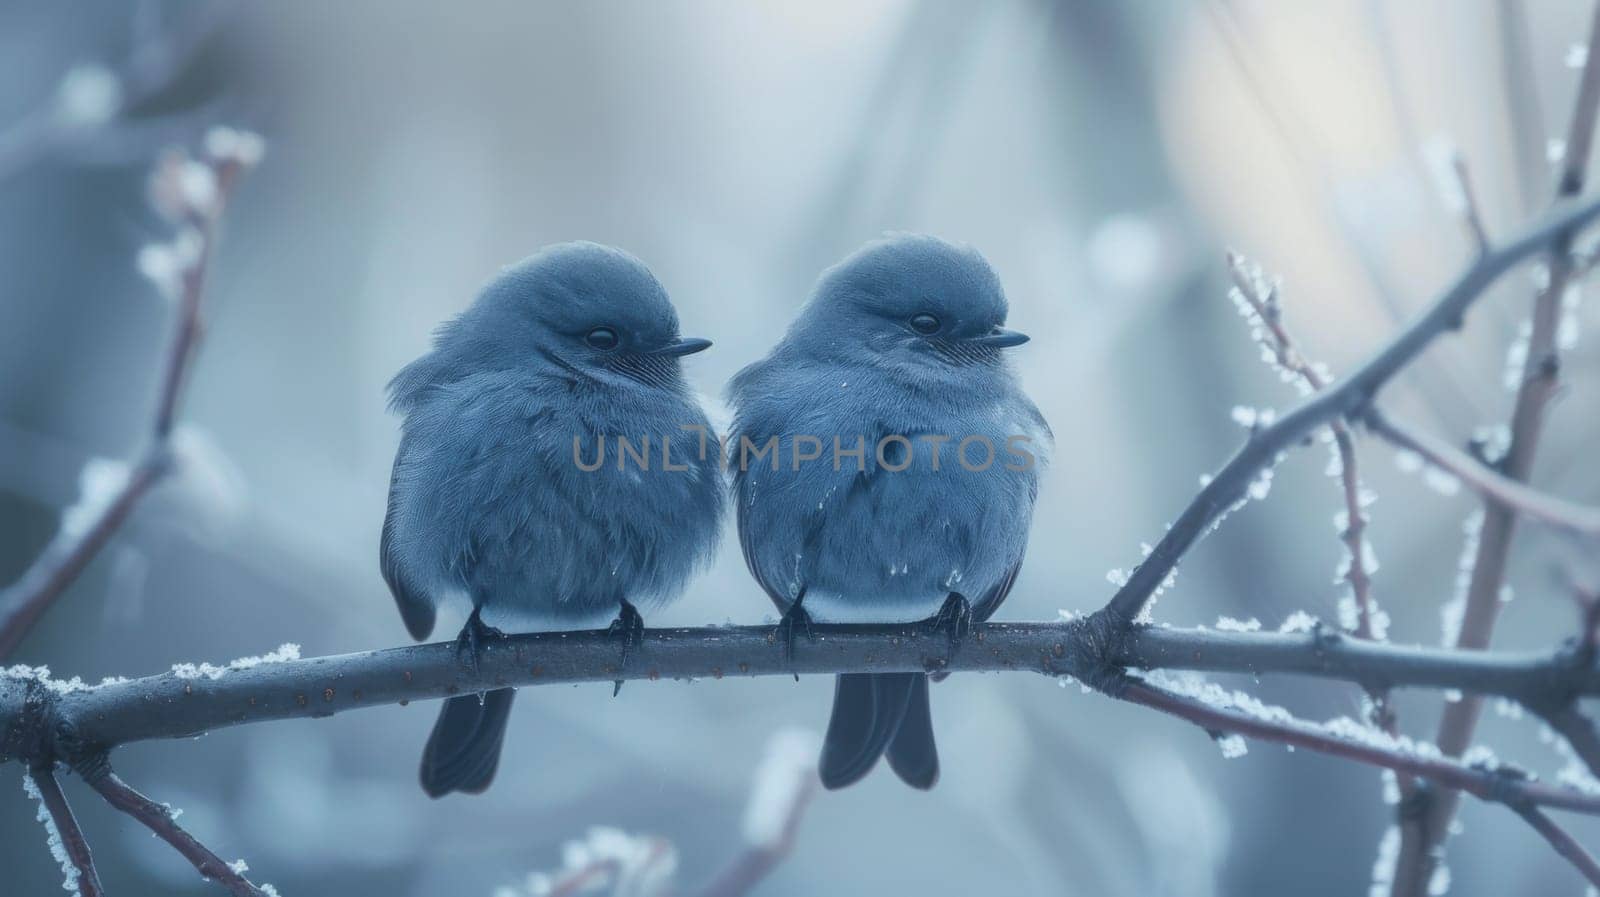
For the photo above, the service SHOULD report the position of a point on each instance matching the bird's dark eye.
(925, 323)
(602, 338)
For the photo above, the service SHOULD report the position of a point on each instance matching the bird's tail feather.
(874, 713)
(464, 749)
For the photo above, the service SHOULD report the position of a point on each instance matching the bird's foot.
(795, 620)
(474, 640)
(954, 619)
(629, 627)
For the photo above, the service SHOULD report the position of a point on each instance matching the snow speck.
(1299, 621)
(1577, 56)
(230, 145)
(89, 96)
(1229, 624)
(1439, 882)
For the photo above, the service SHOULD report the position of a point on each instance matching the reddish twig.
(788, 779)
(69, 552)
(159, 819)
(1261, 298)
(64, 826)
(197, 210)
(1564, 843)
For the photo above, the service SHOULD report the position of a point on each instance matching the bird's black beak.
(1001, 338)
(681, 347)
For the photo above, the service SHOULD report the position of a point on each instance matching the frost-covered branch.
(1537, 376)
(1257, 299)
(1344, 399)
(66, 840)
(44, 718)
(191, 194)
(163, 822)
(1348, 740)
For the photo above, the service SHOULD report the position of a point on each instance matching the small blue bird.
(902, 482)
(502, 494)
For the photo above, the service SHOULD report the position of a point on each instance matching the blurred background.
(1101, 155)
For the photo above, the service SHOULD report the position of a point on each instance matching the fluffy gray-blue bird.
(493, 504)
(898, 352)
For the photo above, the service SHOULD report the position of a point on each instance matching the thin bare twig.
(69, 552)
(1579, 731)
(1492, 485)
(159, 819)
(785, 784)
(1564, 843)
(198, 211)
(87, 883)
(1471, 215)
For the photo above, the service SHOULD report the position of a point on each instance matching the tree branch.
(160, 820)
(1540, 370)
(48, 719)
(1492, 785)
(1343, 399)
(1564, 843)
(66, 831)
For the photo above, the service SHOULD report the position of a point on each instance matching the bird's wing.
(416, 607)
(747, 546)
(991, 600)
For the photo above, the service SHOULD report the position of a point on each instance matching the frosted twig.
(1421, 843)
(1341, 399)
(1489, 785)
(66, 838)
(1493, 784)
(160, 820)
(785, 784)
(1265, 315)
(1492, 485)
(192, 194)
(182, 704)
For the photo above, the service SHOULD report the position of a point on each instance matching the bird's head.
(913, 303)
(583, 308)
